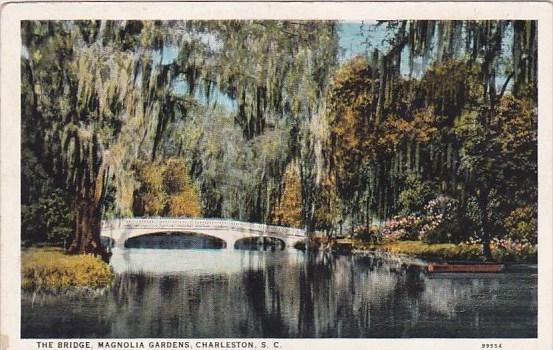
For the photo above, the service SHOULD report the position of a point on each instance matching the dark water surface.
(238, 293)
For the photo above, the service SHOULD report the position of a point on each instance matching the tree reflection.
(291, 294)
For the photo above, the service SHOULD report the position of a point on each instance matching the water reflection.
(237, 293)
(260, 243)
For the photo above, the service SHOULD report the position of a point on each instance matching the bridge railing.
(180, 223)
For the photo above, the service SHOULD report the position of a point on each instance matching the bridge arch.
(174, 239)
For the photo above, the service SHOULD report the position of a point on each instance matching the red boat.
(489, 268)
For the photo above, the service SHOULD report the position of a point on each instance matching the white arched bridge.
(230, 231)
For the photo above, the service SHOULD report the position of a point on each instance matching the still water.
(217, 293)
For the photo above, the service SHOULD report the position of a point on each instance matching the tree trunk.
(367, 215)
(485, 234)
(88, 222)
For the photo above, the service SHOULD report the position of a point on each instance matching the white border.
(12, 13)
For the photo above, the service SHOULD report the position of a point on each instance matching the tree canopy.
(260, 121)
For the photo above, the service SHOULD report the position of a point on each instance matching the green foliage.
(402, 228)
(104, 96)
(415, 195)
(450, 86)
(441, 251)
(452, 252)
(120, 130)
(499, 144)
(351, 100)
(397, 141)
(442, 222)
(521, 225)
(80, 95)
(371, 235)
(49, 219)
(328, 206)
(517, 251)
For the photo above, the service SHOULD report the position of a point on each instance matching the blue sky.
(355, 38)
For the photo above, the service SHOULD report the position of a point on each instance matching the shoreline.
(426, 253)
(406, 259)
(49, 271)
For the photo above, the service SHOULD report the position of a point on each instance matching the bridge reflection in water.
(119, 231)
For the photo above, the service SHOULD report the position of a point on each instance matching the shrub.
(521, 225)
(513, 251)
(398, 228)
(401, 228)
(502, 250)
(52, 270)
(48, 219)
(440, 251)
(469, 251)
(441, 221)
(370, 235)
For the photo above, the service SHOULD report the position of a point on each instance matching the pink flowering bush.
(440, 221)
(397, 228)
(437, 224)
(401, 228)
(504, 249)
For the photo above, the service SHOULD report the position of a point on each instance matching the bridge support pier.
(230, 243)
(120, 243)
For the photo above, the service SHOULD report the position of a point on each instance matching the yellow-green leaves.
(288, 211)
(51, 270)
(166, 190)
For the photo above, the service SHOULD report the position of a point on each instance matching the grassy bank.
(449, 251)
(51, 270)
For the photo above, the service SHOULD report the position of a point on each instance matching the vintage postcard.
(276, 175)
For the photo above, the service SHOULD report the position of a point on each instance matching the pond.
(217, 293)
